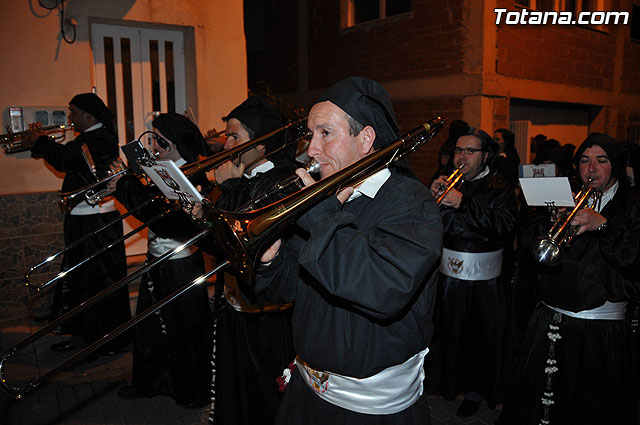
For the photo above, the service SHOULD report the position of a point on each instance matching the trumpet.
(547, 250)
(454, 178)
(243, 235)
(16, 142)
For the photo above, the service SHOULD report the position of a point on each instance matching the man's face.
(77, 118)
(170, 153)
(237, 135)
(595, 163)
(331, 145)
(473, 162)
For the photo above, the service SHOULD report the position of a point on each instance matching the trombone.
(71, 199)
(451, 182)
(16, 142)
(243, 235)
(91, 193)
(548, 249)
(19, 392)
(297, 127)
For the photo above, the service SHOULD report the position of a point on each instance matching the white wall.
(40, 69)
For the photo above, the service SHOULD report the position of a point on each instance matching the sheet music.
(550, 190)
(172, 182)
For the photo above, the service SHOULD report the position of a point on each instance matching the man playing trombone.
(84, 160)
(253, 337)
(360, 270)
(172, 348)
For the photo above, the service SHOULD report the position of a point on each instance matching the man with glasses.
(479, 217)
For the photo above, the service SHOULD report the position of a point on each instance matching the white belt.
(471, 265)
(390, 391)
(607, 311)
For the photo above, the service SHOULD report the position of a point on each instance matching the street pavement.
(86, 393)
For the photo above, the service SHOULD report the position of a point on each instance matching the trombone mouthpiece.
(313, 167)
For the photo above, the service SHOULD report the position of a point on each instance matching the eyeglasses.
(468, 151)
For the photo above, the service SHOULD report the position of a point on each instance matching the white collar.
(262, 168)
(482, 174)
(607, 196)
(371, 185)
(94, 127)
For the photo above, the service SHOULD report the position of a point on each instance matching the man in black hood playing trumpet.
(84, 160)
(575, 366)
(360, 271)
(479, 218)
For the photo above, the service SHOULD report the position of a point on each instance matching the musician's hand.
(588, 220)
(453, 199)
(271, 252)
(35, 133)
(227, 170)
(344, 194)
(305, 176)
(439, 185)
(196, 212)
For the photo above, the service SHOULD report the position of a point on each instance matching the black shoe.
(66, 345)
(467, 408)
(129, 392)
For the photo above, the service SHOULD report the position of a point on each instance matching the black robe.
(252, 349)
(172, 347)
(470, 313)
(593, 383)
(362, 280)
(104, 270)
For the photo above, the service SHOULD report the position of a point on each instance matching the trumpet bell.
(547, 251)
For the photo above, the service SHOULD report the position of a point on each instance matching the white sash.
(607, 311)
(390, 391)
(83, 208)
(471, 265)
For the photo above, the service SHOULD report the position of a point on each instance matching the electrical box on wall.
(18, 118)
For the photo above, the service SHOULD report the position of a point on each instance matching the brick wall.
(411, 114)
(30, 230)
(277, 64)
(426, 44)
(630, 80)
(557, 54)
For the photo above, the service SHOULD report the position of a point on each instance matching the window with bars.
(361, 11)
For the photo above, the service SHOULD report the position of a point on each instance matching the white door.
(139, 72)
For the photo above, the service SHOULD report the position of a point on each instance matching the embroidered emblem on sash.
(455, 266)
(318, 380)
